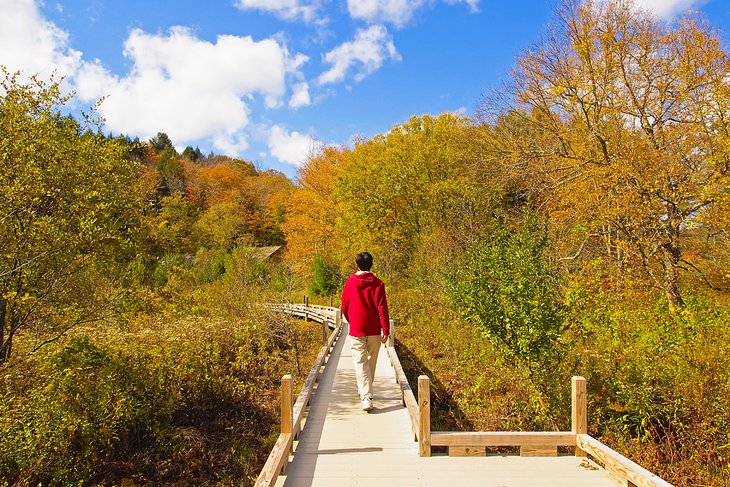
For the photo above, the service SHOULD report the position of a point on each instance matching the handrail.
(621, 468)
(407, 397)
(531, 443)
(535, 443)
(293, 414)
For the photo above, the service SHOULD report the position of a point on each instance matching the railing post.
(325, 329)
(338, 318)
(306, 305)
(331, 301)
(287, 407)
(424, 416)
(579, 406)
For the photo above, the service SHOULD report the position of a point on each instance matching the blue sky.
(268, 80)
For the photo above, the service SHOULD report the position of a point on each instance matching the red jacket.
(364, 305)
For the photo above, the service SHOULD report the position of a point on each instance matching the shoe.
(367, 404)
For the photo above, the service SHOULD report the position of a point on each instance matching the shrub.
(325, 278)
(506, 286)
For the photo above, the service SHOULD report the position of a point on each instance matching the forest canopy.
(576, 225)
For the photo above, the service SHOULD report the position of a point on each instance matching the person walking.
(366, 309)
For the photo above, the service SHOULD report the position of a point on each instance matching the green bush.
(506, 287)
(211, 264)
(87, 403)
(165, 266)
(325, 278)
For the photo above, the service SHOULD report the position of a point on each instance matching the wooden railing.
(531, 443)
(407, 397)
(292, 413)
(534, 443)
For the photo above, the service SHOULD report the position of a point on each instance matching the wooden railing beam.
(287, 404)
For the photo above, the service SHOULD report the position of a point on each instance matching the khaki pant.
(365, 356)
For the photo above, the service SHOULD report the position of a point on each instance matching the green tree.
(161, 141)
(192, 154)
(506, 286)
(66, 204)
(325, 278)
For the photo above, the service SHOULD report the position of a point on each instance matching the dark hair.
(364, 261)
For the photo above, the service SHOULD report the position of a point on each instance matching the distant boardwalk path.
(341, 445)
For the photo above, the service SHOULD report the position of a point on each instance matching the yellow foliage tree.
(416, 195)
(621, 126)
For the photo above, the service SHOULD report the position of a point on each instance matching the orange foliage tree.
(312, 210)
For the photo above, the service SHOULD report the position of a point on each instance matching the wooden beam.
(467, 451)
(407, 396)
(579, 407)
(287, 401)
(538, 451)
(307, 388)
(619, 465)
(391, 335)
(275, 462)
(504, 438)
(424, 416)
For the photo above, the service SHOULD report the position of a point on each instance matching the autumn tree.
(66, 202)
(619, 122)
(311, 211)
(418, 194)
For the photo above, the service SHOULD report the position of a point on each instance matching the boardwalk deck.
(341, 445)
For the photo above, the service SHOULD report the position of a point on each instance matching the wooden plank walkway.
(342, 445)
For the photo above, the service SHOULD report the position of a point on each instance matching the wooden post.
(287, 406)
(424, 416)
(338, 318)
(325, 329)
(306, 305)
(331, 301)
(579, 410)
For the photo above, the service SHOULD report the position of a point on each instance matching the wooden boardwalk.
(342, 445)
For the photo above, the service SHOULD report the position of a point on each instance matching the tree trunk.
(4, 348)
(670, 258)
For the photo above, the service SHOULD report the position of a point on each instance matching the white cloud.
(668, 9)
(190, 88)
(472, 4)
(31, 44)
(291, 147)
(396, 12)
(365, 54)
(300, 96)
(283, 9)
